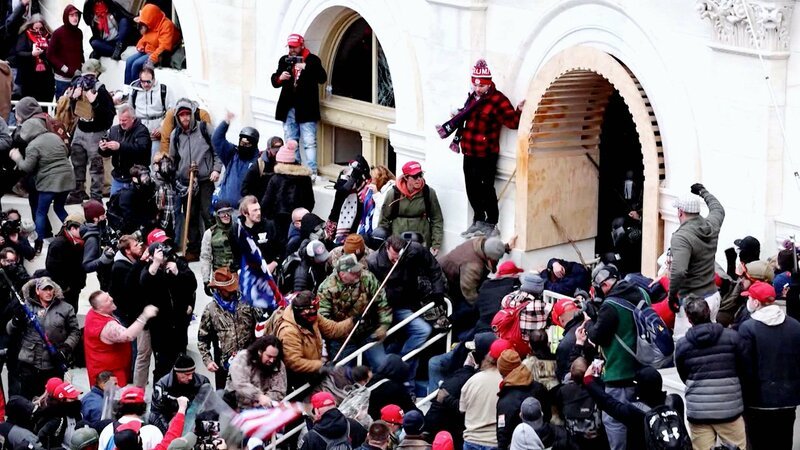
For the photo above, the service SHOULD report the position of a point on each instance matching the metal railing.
(51, 109)
(358, 355)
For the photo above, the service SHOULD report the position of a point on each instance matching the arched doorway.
(559, 162)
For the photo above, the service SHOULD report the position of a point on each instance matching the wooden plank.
(578, 142)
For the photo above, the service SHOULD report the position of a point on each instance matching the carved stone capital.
(749, 26)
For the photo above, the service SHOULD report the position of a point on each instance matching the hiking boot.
(37, 246)
(117, 55)
(490, 230)
(483, 228)
(471, 230)
(77, 197)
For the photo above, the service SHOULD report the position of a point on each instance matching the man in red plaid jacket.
(479, 138)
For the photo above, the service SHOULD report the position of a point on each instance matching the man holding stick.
(348, 292)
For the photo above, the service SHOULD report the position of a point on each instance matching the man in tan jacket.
(301, 333)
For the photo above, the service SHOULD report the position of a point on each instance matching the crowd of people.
(563, 357)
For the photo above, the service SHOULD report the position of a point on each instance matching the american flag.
(256, 283)
(264, 423)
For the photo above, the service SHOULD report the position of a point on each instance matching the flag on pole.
(256, 283)
(264, 423)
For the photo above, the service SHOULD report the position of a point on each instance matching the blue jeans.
(61, 86)
(615, 430)
(304, 133)
(133, 65)
(58, 199)
(471, 446)
(117, 185)
(437, 369)
(106, 48)
(417, 332)
(372, 357)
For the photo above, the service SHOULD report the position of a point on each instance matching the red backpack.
(54, 125)
(505, 325)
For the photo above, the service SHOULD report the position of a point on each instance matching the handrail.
(358, 353)
(51, 109)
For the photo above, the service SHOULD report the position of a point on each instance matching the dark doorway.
(621, 177)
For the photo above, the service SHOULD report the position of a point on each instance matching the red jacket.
(481, 133)
(101, 356)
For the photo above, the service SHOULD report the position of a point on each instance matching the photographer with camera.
(13, 268)
(171, 287)
(11, 234)
(64, 260)
(298, 74)
(127, 144)
(133, 209)
(57, 321)
(94, 108)
(98, 246)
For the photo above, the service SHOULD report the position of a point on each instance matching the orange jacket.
(161, 35)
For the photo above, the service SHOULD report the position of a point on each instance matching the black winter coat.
(134, 207)
(94, 258)
(126, 289)
(134, 148)
(164, 407)
(333, 425)
(404, 290)
(566, 346)
(289, 188)
(104, 112)
(490, 294)
(308, 275)
(710, 361)
(444, 414)
(64, 263)
(556, 437)
(54, 422)
(772, 363)
(509, 401)
(575, 277)
(172, 295)
(255, 182)
(304, 97)
(271, 246)
(392, 391)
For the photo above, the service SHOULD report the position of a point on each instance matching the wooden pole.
(505, 186)
(564, 235)
(188, 212)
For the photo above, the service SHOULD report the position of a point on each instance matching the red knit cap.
(481, 73)
(498, 347)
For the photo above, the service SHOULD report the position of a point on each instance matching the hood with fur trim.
(296, 170)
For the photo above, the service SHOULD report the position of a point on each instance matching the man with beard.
(127, 144)
(97, 255)
(236, 158)
(133, 208)
(181, 382)
(215, 249)
(263, 232)
(126, 271)
(171, 285)
(257, 374)
(301, 333)
(226, 326)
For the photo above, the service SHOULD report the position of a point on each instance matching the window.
(358, 105)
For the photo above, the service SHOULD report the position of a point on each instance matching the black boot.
(118, 49)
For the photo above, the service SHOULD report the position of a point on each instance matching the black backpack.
(664, 428)
(284, 275)
(581, 415)
(394, 211)
(340, 443)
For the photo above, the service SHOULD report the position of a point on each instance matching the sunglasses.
(146, 81)
(417, 176)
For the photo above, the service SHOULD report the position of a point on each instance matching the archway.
(561, 126)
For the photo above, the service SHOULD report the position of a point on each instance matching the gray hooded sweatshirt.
(187, 146)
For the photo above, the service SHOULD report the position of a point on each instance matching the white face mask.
(752, 305)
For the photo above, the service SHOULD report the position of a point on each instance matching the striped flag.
(255, 282)
(264, 423)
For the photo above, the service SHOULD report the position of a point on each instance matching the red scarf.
(40, 40)
(75, 240)
(297, 71)
(101, 17)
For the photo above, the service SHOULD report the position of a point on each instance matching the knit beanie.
(353, 244)
(508, 361)
(93, 209)
(532, 283)
(183, 364)
(92, 66)
(27, 107)
(494, 248)
(498, 347)
(286, 153)
(413, 422)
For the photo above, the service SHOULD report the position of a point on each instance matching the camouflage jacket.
(227, 333)
(338, 301)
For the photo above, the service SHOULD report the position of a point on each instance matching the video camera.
(167, 248)
(9, 227)
(292, 60)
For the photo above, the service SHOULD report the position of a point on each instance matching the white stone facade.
(705, 72)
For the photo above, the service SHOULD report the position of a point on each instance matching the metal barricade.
(358, 355)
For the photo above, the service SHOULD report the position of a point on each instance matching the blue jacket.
(92, 406)
(235, 167)
(709, 360)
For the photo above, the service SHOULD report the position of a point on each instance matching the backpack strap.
(395, 205)
(262, 165)
(614, 301)
(133, 96)
(204, 131)
(163, 96)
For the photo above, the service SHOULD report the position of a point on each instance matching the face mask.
(247, 152)
(752, 305)
(102, 223)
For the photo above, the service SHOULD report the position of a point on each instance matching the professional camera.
(109, 237)
(9, 227)
(292, 60)
(169, 251)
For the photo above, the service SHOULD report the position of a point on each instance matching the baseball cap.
(531, 412)
(66, 391)
(498, 347)
(131, 394)
(322, 399)
(763, 292)
(295, 40)
(412, 168)
(348, 263)
(508, 268)
(413, 422)
(83, 438)
(392, 414)
(44, 282)
(316, 249)
(689, 204)
(157, 235)
(562, 306)
(52, 384)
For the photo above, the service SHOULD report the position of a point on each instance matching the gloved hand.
(325, 370)
(207, 289)
(20, 318)
(108, 254)
(380, 333)
(438, 300)
(66, 353)
(696, 188)
(674, 305)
